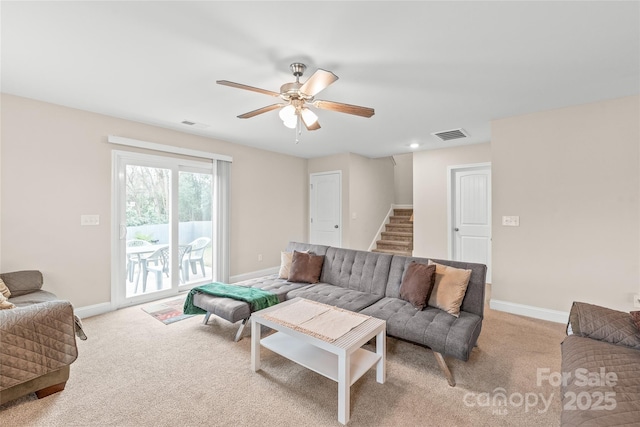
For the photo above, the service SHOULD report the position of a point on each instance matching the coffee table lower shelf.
(319, 360)
(343, 360)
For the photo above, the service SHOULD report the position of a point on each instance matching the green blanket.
(258, 298)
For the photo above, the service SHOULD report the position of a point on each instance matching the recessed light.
(414, 145)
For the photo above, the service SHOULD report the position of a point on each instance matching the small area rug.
(167, 311)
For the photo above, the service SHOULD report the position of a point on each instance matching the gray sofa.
(37, 339)
(369, 282)
(601, 367)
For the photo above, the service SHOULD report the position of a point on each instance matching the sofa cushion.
(22, 282)
(417, 284)
(335, 295)
(431, 327)
(306, 247)
(356, 270)
(305, 267)
(33, 298)
(449, 288)
(603, 324)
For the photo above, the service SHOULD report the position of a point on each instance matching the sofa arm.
(603, 324)
(23, 282)
(35, 340)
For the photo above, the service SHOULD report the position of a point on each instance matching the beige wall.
(430, 195)
(371, 196)
(403, 178)
(56, 165)
(367, 191)
(573, 177)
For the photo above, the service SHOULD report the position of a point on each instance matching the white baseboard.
(254, 274)
(93, 310)
(530, 311)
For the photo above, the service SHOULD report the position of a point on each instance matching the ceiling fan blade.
(317, 82)
(345, 108)
(260, 111)
(245, 87)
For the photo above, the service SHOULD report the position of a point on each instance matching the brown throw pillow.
(635, 316)
(417, 284)
(305, 268)
(285, 264)
(449, 288)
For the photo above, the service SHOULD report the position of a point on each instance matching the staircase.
(397, 239)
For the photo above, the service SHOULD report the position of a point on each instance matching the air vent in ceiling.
(448, 135)
(195, 125)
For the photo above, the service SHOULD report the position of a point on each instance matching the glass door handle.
(123, 232)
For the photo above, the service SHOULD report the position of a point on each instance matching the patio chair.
(196, 256)
(184, 252)
(161, 259)
(134, 259)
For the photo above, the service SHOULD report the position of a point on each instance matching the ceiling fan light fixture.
(291, 123)
(308, 116)
(288, 113)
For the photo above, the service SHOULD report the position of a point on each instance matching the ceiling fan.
(298, 97)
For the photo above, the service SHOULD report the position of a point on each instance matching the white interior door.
(471, 214)
(325, 207)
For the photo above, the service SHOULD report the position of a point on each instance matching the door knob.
(335, 226)
(456, 229)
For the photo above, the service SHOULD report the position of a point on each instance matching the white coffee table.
(342, 360)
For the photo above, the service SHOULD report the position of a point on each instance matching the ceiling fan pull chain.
(298, 129)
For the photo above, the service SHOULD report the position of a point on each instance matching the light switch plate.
(636, 300)
(89, 219)
(511, 221)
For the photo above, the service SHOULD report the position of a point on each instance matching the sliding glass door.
(164, 211)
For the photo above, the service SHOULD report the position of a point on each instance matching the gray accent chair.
(37, 338)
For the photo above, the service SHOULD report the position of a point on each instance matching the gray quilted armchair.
(37, 338)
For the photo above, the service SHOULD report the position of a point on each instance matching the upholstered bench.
(234, 311)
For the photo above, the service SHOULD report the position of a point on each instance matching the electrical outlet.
(259, 257)
(636, 300)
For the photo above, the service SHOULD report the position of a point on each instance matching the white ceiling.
(424, 66)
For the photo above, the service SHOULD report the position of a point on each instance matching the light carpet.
(135, 371)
